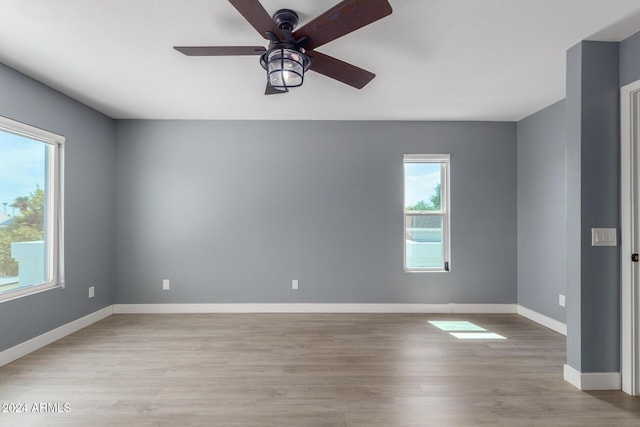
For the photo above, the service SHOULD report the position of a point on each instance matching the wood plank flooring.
(304, 370)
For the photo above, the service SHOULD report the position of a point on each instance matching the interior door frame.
(629, 280)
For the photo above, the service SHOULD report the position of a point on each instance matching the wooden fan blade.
(343, 18)
(270, 90)
(220, 50)
(257, 16)
(339, 70)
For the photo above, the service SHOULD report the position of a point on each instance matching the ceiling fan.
(291, 51)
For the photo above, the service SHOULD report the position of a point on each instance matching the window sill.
(31, 290)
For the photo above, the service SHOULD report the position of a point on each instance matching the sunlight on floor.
(477, 336)
(465, 330)
(456, 325)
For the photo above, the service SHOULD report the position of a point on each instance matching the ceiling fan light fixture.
(285, 67)
(292, 51)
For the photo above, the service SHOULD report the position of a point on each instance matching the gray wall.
(542, 211)
(89, 207)
(593, 174)
(630, 59)
(233, 211)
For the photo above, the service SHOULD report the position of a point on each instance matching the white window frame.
(54, 205)
(444, 212)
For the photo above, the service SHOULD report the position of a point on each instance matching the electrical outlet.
(165, 285)
(92, 291)
(294, 284)
(561, 300)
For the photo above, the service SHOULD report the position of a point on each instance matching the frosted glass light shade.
(285, 68)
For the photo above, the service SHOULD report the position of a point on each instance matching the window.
(30, 209)
(426, 212)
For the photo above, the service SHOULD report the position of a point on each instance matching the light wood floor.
(305, 370)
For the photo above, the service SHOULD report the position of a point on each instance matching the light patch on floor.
(477, 336)
(456, 325)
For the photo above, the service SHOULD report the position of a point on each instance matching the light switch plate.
(604, 237)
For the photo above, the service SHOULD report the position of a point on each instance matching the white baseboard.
(592, 380)
(20, 350)
(550, 323)
(312, 308)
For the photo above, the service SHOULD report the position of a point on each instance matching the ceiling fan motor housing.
(286, 19)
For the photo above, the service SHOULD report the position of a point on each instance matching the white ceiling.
(434, 59)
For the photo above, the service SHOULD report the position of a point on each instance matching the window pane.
(23, 185)
(424, 241)
(422, 186)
